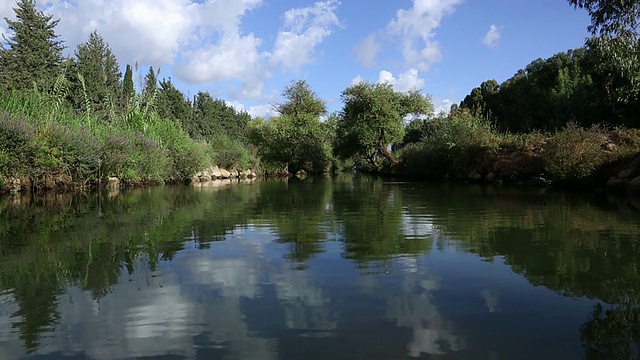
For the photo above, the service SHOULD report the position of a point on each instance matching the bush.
(230, 154)
(453, 146)
(574, 152)
(16, 145)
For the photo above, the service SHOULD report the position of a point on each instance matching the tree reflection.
(612, 333)
(373, 225)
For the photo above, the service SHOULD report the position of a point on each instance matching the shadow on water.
(272, 234)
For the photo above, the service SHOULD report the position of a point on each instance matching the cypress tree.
(33, 53)
(100, 69)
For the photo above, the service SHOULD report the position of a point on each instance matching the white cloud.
(265, 111)
(357, 80)
(443, 106)
(492, 38)
(303, 30)
(367, 50)
(415, 30)
(202, 40)
(406, 81)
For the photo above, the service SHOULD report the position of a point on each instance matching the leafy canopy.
(32, 54)
(373, 118)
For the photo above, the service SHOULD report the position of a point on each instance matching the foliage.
(101, 72)
(544, 96)
(291, 144)
(301, 101)
(372, 119)
(297, 139)
(171, 104)
(610, 17)
(212, 117)
(574, 152)
(230, 154)
(453, 146)
(32, 54)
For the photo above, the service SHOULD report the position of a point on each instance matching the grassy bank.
(465, 147)
(46, 145)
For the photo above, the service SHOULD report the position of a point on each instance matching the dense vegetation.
(79, 120)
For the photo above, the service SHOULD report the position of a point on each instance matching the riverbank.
(465, 148)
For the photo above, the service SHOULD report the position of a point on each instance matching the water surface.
(336, 268)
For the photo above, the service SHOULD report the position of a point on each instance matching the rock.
(491, 176)
(224, 174)
(204, 177)
(251, 174)
(234, 173)
(474, 176)
(634, 185)
(113, 183)
(194, 179)
(215, 172)
(616, 184)
(627, 174)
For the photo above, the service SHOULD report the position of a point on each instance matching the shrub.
(574, 152)
(453, 145)
(229, 153)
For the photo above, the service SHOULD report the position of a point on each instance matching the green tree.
(615, 47)
(128, 92)
(301, 101)
(611, 17)
(101, 71)
(373, 118)
(214, 117)
(297, 139)
(33, 53)
(172, 104)
(150, 87)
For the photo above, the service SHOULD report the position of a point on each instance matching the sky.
(247, 51)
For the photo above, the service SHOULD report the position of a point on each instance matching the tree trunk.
(387, 155)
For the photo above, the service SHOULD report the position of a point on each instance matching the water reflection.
(353, 267)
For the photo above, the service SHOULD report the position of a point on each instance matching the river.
(350, 267)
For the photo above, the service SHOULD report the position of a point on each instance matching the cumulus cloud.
(406, 81)
(492, 38)
(303, 30)
(367, 50)
(415, 30)
(202, 40)
(264, 111)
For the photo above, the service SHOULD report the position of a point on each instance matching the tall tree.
(33, 53)
(611, 17)
(297, 139)
(100, 69)
(150, 85)
(172, 104)
(373, 119)
(615, 46)
(128, 91)
(301, 100)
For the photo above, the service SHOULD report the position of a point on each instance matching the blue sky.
(247, 51)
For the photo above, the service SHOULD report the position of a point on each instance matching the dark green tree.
(128, 91)
(150, 86)
(615, 47)
(33, 53)
(172, 104)
(297, 139)
(301, 100)
(101, 71)
(373, 119)
(214, 117)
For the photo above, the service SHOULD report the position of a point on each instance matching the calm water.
(344, 268)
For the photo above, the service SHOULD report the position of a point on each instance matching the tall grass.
(53, 146)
